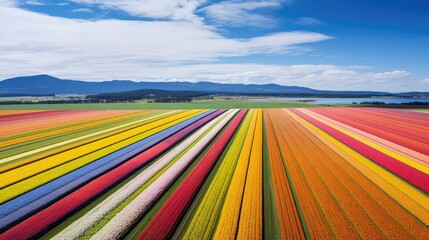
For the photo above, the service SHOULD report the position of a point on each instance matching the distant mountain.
(45, 84)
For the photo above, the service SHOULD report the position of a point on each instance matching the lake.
(334, 101)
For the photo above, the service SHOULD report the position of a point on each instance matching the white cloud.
(309, 21)
(72, 44)
(392, 75)
(283, 42)
(158, 9)
(82, 10)
(169, 51)
(34, 3)
(242, 13)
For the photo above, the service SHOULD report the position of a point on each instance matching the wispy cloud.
(167, 50)
(242, 13)
(392, 75)
(34, 3)
(82, 10)
(157, 9)
(170, 51)
(60, 42)
(309, 21)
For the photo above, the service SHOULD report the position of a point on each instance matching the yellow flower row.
(228, 221)
(204, 221)
(250, 226)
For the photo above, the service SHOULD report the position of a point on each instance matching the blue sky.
(324, 44)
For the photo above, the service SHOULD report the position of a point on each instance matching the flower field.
(301, 173)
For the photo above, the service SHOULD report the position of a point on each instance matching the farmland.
(214, 173)
(197, 104)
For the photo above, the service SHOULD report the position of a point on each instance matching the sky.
(380, 45)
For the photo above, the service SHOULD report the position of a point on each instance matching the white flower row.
(122, 221)
(83, 224)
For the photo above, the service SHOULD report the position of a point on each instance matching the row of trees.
(173, 100)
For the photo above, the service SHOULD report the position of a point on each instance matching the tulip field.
(292, 173)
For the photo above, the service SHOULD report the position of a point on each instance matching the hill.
(45, 84)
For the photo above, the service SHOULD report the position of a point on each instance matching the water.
(334, 101)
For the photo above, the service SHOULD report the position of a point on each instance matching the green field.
(137, 106)
(422, 110)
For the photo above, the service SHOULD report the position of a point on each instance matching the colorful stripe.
(316, 173)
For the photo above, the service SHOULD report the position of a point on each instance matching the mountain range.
(46, 84)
